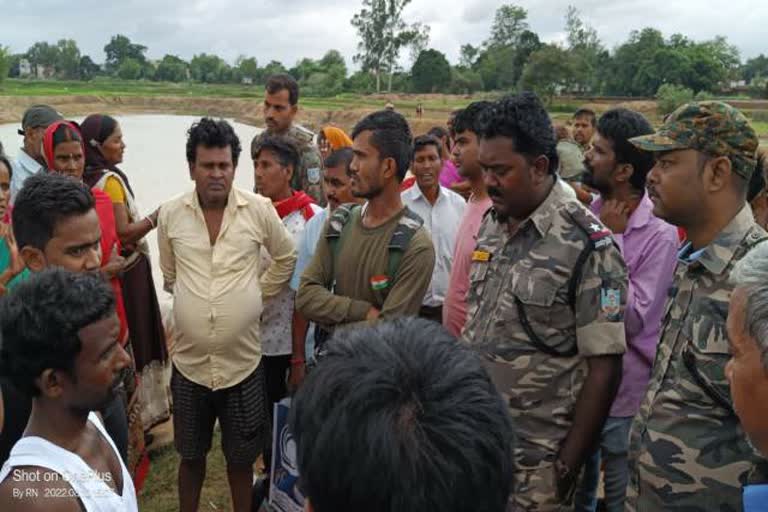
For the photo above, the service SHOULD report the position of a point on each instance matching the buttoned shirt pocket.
(705, 351)
(540, 298)
(478, 279)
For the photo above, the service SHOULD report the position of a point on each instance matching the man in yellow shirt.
(210, 240)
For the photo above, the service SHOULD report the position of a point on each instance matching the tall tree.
(755, 67)
(43, 57)
(548, 71)
(208, 68)
(274, 68)
(509, 23)
(121, 48)
(248, 67)
(431, 72)
(586, 51)
(5, 62)
(383, 34)
(468, 55)
(87, 68)
(68, 62)
(172, 69)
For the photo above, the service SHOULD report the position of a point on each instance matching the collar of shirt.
(234, 200)
(29, 163)
(542, 216)
(415, 194)
(716, 256)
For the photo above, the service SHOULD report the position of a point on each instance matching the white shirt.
(277, 316)
(23, 167)
(91, 488)
(442, 221)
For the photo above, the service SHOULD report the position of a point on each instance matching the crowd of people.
(488, 316)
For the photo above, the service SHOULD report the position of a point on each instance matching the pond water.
(155, 162)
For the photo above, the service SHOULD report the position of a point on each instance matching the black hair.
(391, 136)
(618, 125)
(422, 141)
(588, 113)
(284, 149)
(40, 321)
(210, 133)
(342, 156)
(438, 132)
(467, 120)
(45, 200)
(65, 133)
(757, 181)
(4, 160)
(523, 119)
(400, 416)
(277, 83)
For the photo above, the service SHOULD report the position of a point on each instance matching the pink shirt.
(455, 305)
(449, 174)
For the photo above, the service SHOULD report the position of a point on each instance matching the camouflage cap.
(712, 127)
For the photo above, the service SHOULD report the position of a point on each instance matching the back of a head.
(41, 320)
(438, 132)
(618, 125)
(277, 83)
(400, 417)
(467, 120)
(339, 158)
(523, 119)
(212, 133)
(45, 200)
(390, 135)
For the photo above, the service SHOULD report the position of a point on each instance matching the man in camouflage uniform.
(546, 303)
(687, 449)
(280, 107)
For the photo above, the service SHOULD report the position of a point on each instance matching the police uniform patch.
(313, 175)
(610, 302)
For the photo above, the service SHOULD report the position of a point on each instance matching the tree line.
(513, 57)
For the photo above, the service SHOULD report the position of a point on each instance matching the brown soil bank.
(247, 111)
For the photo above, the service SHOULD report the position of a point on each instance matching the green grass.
(160, 490)
(111, 87)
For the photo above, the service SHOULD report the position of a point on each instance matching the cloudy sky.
(287, 30)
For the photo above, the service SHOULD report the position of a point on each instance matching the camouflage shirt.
(309, 176)
(530, 272)
(687, 449)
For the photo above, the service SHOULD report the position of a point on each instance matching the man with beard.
(617, 170)
(546, 305)
(465, 126)
(374, 260)
(281, 104)
(61, 346)
(687, 449)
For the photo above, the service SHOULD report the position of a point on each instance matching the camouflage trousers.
(535, 490)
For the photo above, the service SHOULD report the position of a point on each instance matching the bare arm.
(299, 328)
(131, 232)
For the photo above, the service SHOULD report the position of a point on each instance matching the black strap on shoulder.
(338, 227)
(690, 363)
(576, 275)
(407, 226)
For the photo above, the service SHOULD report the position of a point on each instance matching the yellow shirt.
(216, 289)
(114, 190)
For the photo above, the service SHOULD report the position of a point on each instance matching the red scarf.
(48, 148)
(298, 201)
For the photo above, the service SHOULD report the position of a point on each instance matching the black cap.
(39, 116)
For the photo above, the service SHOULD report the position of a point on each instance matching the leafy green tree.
(87, 68)
(248, 68)
(130, 69)
(468, 55)
(465, 81)
(755, 67)
(68, 62)
(548, 71)
(43, 57)
(172, 69)
(383, 34)
(5, 62)
(119, 49)
(209, 69)
(509, 22)
(274, 68)
(586, 52)
(670, 96)
(431, 72)
(362, 82)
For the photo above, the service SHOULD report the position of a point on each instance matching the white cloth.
(277, 316)
(91, 489)
(23, 167)
(442, 221)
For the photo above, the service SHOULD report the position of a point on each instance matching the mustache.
(494, 191)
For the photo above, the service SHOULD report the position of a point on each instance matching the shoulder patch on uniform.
(313, 175)
(302, 133)
(598, 234)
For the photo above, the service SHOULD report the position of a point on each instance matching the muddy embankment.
(247, 111)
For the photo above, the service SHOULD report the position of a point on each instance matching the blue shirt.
(23, 167)
(306, 248)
